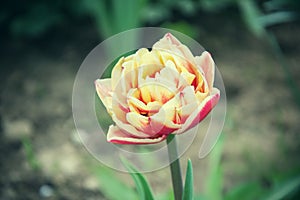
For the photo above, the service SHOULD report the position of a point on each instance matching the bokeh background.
(254, 43)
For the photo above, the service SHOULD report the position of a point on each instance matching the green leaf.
(188, 191)
(111, 186)
(277, 18)
(141, 183)
(284, 189)
(251, 14)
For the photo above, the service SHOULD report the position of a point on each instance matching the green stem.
(175, 167)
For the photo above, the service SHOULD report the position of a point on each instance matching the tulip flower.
(157, 92)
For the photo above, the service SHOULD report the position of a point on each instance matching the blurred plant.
(282, 185)
(214, 182)
(34, 18)
(182, 27)
(276, 12)
(31, 19)
(112, 17)
(111, 186)
(30, 155)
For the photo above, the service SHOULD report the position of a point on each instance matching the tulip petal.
(188, 102)
(116, 135)
(207, 65)
(172, 44)
(165, 120)
(147, 71)
(138, 106)
(201, 112)
(150, 58)
(119, 108)
(103, 88)
(138, 55)
(155, 91)
(129, 129)
(137, 120)
(116, 73)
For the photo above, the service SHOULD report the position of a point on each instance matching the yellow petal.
(137, 104)
(138, 55)
(119, 108)
(146, 71)
(185, 79)
(173, 45)
(201, 96)
(166, 114)
(117, 72)
(150, 58)
(155, 91)
(137, 120)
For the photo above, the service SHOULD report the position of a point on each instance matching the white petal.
(207, 65)
(104, 91)
(129, 129)
(115, 135)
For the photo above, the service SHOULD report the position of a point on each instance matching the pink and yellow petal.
(129, 129)
(206, 63)
(201, 112)
(173, 45)
(116, 135)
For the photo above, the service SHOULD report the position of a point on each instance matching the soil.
(41, 157)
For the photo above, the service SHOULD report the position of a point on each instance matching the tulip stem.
(175, 167)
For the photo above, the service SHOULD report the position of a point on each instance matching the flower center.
(148, 98)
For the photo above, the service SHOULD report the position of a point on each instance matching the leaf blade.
(188, 190)
(141, 183)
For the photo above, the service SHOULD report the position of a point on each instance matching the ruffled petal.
(201, 112)
(116, 73)
(104, 91)
(172, 44)
(207, 65)
(115, 135)
(164, 122)
(129, 129)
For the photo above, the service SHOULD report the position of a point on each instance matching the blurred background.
(254, 43)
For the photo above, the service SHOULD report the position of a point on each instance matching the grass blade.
(141, 183)
(188, 191)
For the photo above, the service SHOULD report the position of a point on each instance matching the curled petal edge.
(115, 135)
(104, 92)
(201, 112)
(207, 66)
